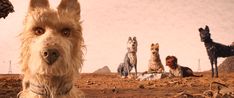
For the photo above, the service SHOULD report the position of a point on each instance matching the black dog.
(214, 49)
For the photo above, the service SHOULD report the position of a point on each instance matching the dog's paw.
(123, 77)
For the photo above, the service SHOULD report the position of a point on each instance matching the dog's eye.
(66, 32)
(38, 30)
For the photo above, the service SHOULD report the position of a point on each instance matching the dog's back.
(222, 50)
(186, 71)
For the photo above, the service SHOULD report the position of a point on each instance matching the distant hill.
(228, 64)
(103, 70)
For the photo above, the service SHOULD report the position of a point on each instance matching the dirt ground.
(111, 85)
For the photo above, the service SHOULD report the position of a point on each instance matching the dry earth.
(111, 85)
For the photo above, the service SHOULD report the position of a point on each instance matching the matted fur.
(69, 63)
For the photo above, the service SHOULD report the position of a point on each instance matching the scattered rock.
(208, 93)
(114, 90)
(183, 95)
(150, 83)
(90, 82)
(141, 86)
(103, 70)
(103, 91)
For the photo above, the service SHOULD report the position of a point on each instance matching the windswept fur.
(46, 28)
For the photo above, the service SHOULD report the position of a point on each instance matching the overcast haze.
(107, 24)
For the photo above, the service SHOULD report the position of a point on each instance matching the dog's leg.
(128, 69)
(135, 70)
(120, 69)
(136, 67)
(212, 68)
(216, 68)
(127, 64)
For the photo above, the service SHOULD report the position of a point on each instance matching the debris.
(114, 90)
(141, 86)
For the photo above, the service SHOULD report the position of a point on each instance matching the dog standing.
(214, 50)
(155, 64)
(130, 59)
(51, 50)
(177, 70)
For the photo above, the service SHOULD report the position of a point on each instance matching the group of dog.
(214, 51)
(52, 44)
(155, 65)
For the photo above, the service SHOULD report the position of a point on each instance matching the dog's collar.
(45, 91)
(131, 51)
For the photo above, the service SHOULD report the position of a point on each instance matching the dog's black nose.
(50, 55)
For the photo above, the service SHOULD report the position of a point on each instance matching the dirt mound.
(103, 70)
(228, 64)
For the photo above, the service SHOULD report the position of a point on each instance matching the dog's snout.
(50, 55)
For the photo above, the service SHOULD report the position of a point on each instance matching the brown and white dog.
(177, 70)
(155, 64)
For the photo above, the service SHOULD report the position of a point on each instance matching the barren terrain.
(111, 85)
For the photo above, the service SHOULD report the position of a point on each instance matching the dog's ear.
(200, 29)
(134, 38)
(38, 4)
(207, 28)
(175, 60)
(129, 38)
(157, 44)
(152, 44)
(70, 6)
(168, 57)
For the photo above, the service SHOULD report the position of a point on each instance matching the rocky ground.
(111, 85)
